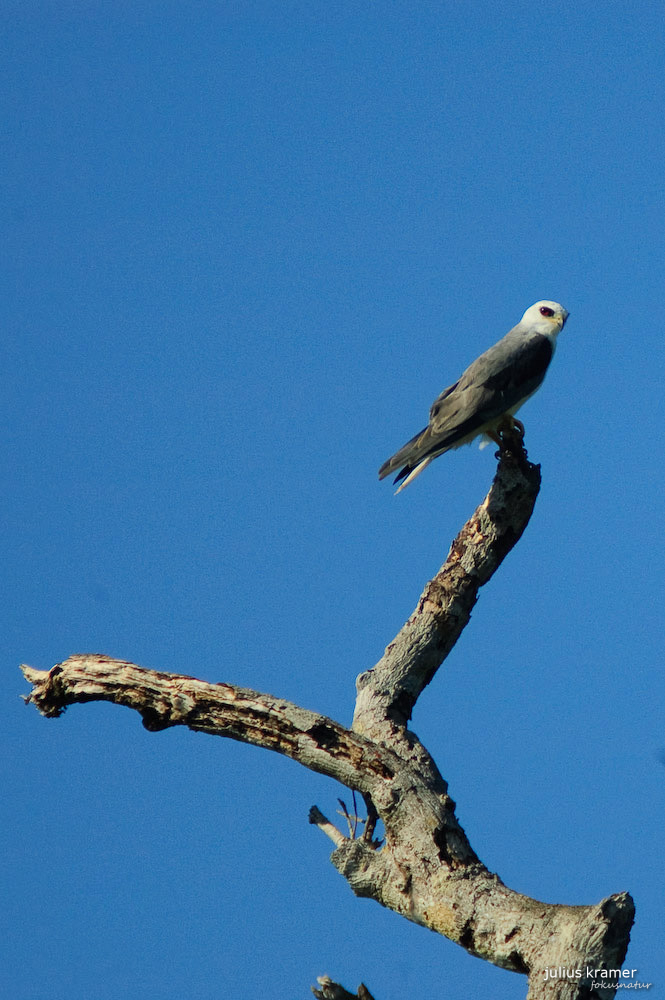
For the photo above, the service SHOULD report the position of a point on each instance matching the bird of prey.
(486, 397)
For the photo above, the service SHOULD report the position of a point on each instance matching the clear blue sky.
(245, 247)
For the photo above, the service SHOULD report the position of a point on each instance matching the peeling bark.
(426, 870)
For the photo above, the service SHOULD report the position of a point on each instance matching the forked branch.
(426, 870)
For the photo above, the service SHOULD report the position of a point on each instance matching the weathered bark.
(426, 870)
(388, 692)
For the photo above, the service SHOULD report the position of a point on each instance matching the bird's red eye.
(546, 311)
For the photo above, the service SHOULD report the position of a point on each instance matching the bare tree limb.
(388, 692)
(164, 700)
(426, 870)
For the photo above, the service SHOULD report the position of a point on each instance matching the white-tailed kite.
(488, 394)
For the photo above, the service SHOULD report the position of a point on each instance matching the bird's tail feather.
(405, 455)
(412, 475)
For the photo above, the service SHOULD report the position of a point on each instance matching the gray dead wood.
(426, 870)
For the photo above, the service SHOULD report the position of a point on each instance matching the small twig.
(317, 818)
(333, 991)
(352, 819)
(371, 821)
(345, 813)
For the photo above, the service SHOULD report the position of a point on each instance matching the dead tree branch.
(333, 991)
(388, 692)
(426, 870)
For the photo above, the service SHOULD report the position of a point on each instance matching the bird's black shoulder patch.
(526, 368)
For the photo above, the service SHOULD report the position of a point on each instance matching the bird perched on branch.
(487, 396)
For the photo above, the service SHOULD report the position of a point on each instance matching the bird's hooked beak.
(562, 319)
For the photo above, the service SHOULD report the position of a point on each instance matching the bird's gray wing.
(496, 382)
(414, 446)
(500, 379)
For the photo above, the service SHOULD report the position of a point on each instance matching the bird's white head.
(545, 317)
